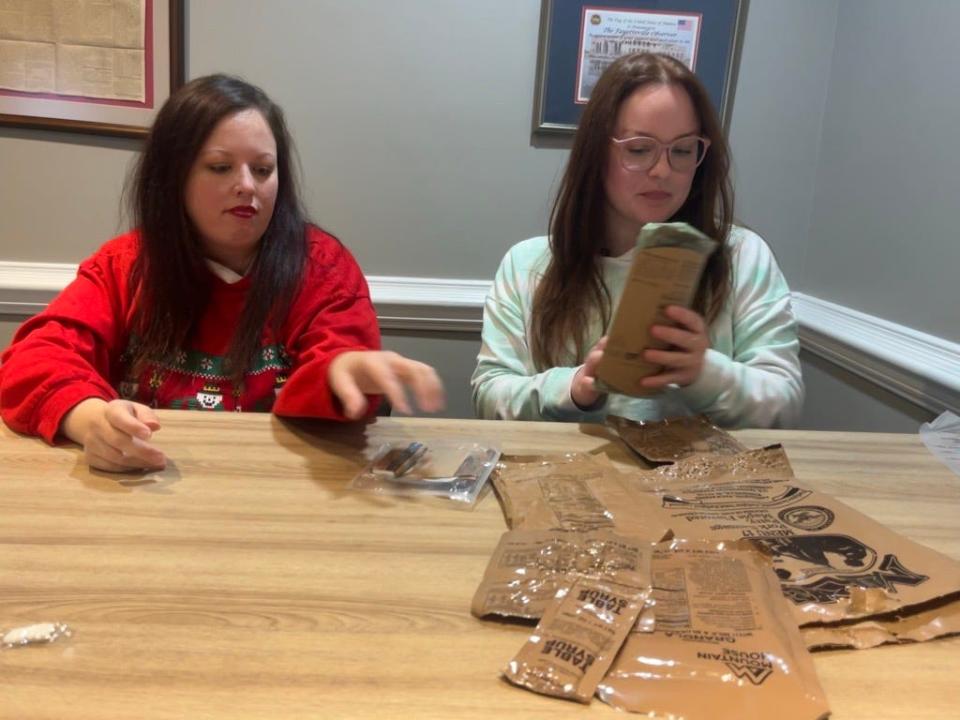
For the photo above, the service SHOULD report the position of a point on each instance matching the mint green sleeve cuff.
(717, 374)
(737, 394)
(751, 376)
(557, 400)
(503, 395)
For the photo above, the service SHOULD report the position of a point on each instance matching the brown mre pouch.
(578, 637)
(769, 463)
(941, 620)
(578, 493)
(666, 441)
(724, 647)
(529, 566)
(665, 271)
(834, 563)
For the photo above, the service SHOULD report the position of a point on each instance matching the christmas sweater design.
(194, 380)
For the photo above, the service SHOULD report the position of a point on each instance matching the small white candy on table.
(38, 633)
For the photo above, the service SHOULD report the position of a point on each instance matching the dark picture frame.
(716, 29)
(165, 72)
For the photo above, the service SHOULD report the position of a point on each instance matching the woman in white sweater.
(649, 148)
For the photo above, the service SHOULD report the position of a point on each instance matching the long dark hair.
(572, 290)
(169, 277)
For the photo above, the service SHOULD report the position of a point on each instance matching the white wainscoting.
(921, 368)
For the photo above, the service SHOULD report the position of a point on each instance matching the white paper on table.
(942, 437)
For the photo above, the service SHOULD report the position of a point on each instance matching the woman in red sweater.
(223, 298)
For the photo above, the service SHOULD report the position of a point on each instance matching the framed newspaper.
(91, 66)
(578, 40)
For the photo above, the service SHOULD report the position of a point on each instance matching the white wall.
(412, 120)
(884, 236)
(59, 193)
(775, 129)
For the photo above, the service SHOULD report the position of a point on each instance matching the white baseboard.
(921, 368)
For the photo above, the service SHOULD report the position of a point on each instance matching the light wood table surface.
(247, 581)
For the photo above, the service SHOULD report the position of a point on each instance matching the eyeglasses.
(639, 154)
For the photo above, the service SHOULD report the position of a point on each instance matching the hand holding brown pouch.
(665, 271)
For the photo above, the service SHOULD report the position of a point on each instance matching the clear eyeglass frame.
(640, 152)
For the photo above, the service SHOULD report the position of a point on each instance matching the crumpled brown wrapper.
(666, 441)
(769, 463)
(941, 620)
(834, 563)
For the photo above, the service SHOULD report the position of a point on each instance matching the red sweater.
(78, 347)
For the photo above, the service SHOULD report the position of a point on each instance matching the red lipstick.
(243, 211)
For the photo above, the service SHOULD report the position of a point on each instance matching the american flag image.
(684, 24)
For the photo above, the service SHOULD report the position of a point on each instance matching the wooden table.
(247, 581)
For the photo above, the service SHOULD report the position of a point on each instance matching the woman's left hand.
(683, 361)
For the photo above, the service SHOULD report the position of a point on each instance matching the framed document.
(93, 66)
(578, 40)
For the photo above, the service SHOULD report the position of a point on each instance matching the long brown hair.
(572, 291)
(169, 276)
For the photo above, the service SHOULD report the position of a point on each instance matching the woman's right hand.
(356, 373)
(114, 434)
(583, 389)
